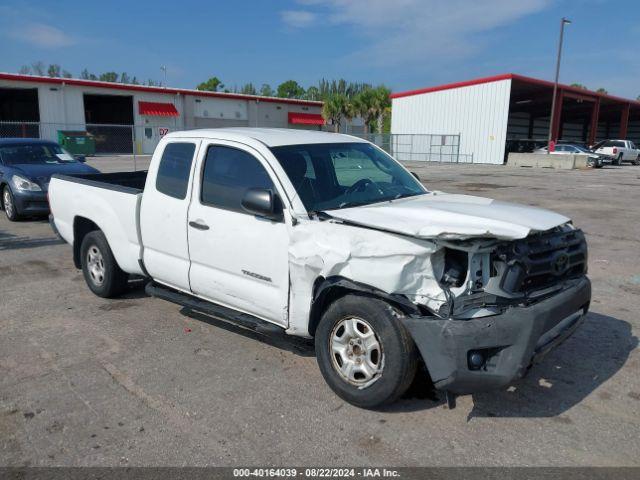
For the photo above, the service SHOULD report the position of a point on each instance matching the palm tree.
(382, 102)
(335, 108)
(364, 107)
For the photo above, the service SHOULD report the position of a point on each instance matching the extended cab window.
(174, 169)
(228, 174)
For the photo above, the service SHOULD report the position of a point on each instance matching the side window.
(351, 165)
(174, 169)
(228, 174)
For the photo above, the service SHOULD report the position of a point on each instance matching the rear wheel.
(364, 352)
(9, 205)
(99, 267)
(637, 160)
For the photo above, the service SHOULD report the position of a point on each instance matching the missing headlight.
(456, 263)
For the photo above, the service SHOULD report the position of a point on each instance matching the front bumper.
(31, 203)
(510, 341)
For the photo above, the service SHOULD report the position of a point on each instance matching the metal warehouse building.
(132, 118)
(495, 115)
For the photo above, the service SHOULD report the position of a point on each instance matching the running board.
(239, 318)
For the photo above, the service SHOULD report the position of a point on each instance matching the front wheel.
(364, 352)
(637, 160)
(619, 160)
(99, 267)
(9, 205)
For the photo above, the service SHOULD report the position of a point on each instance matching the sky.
(403, 44)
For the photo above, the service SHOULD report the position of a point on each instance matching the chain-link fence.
(136, 140)
(420, 147)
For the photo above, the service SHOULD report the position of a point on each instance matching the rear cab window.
(174, 170)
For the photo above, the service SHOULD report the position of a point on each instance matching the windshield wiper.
(351, 204)
(404, 195)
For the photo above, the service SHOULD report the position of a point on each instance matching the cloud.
(41, 35)
(404, 31)
(298, 18)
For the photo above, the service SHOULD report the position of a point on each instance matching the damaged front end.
(505, 304)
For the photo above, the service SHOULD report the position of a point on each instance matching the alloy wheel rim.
(356, 352)
(95, 265)
(8, 205)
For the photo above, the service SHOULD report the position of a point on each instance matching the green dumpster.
(77, 142)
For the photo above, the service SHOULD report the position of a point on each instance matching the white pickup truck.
(619, 151)
(325, 235)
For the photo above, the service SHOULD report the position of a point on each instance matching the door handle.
(199, 226)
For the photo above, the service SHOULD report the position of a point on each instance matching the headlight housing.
(24, 184)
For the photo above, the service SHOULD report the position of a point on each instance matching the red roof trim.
(144, 88)
(449, 86)
(157, 109)
(511, 76)
(306, 118)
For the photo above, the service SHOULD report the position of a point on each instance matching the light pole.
(164, 69)
(564, 21)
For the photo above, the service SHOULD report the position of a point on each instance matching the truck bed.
(111, 201)
(126, 182)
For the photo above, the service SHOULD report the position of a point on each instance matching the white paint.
(400, 251)
(205, 107)
(479, 113)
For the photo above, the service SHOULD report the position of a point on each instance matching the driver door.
(238, 260)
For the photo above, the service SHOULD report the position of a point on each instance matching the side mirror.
(80, 158)
(262, 202)
(416, 175)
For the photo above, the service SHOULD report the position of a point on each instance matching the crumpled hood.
(452, 216)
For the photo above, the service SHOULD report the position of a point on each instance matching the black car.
(26, 166)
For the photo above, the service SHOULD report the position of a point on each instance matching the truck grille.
(543, 260)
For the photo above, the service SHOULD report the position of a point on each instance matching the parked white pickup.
(619, 150)
(325, 235)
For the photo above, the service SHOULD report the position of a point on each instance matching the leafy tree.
(25, 70)
(312, 93)
(267, 91)
(211, 85)
(579, 85)
(38, 68)
(54, 70)
(67, 74)
(248, 89)
(124, 78)
(602, 90)
(337, 107)
(134, 81)
(108, 77)
(290, 89)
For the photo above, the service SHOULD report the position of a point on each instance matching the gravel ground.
(138, 381)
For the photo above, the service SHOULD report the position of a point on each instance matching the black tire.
(398, 354)
(111, 280)
(637, 161)
(619, 160)
(10, 210)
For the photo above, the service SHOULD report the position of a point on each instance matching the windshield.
(329, 176)
(34, 154)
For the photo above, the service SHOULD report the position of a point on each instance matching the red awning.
(157, 109)
(306, 118)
